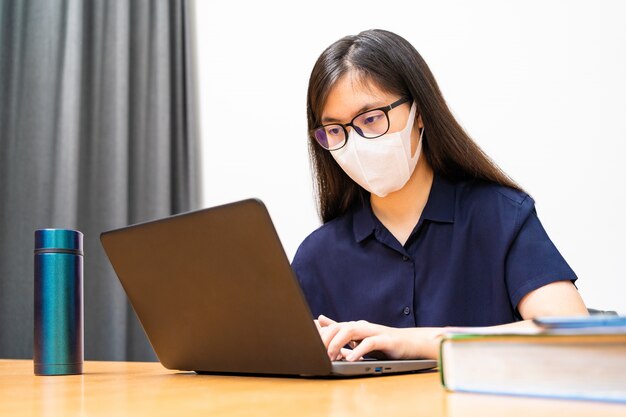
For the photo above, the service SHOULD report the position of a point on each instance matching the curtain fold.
(97, 131)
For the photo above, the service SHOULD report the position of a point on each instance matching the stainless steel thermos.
(58, 337)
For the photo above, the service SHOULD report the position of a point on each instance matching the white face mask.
(381, 165)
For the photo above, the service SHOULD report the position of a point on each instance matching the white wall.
(540, 85)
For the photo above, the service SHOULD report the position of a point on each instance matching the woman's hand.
(364, 337)
(406, 343)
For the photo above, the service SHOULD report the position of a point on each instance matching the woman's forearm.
(423, 342)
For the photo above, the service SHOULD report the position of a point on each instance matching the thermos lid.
(59, 239)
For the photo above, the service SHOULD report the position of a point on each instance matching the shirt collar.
(441, 201)
(363, 221)
(439, 208)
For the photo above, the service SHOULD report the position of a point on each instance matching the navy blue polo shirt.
(476, 251)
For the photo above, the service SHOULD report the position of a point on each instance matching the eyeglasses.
(369, 124)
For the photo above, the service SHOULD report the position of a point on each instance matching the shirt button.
(406, 311)
(405, 258)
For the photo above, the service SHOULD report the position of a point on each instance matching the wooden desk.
(148, 389)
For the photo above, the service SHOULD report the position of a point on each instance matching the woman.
(422, 230)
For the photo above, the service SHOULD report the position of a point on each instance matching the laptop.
(215, 293)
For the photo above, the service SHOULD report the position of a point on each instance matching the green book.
(587, 363)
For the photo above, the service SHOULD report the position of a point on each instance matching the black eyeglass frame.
(384, 109)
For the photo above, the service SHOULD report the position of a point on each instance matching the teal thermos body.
(58, 324)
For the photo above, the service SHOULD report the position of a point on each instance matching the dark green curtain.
(97, 131)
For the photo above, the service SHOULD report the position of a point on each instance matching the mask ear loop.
(422, 130)
(418, 147)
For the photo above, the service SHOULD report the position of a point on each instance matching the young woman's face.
(352, 95)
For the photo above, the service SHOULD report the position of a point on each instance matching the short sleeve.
(306, 269)
(533, 261)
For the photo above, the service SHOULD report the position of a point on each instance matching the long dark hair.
(394, 65)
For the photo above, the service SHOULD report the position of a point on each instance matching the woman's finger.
(328, 334)
(367, 345)
(346, 352)
(318, 326)
(325, 321)
(348, 332)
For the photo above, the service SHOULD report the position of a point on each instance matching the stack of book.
(577, 358)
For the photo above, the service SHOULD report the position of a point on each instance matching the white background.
(539, 85)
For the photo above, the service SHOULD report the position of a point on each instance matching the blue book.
(556, 359)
